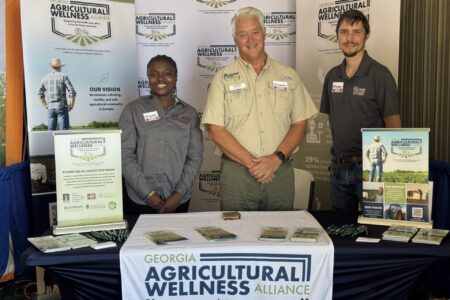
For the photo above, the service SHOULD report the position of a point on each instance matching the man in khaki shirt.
(256, 113)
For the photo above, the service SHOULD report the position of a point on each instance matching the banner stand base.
(389, 222)
(58, 230)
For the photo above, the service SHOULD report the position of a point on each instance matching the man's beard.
(353, 53)
(350, 54)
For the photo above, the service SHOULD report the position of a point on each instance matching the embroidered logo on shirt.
(151, 116)
(359, 91)
(338, 87)
(232, 76)
(182, 118)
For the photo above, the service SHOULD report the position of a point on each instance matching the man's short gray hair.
(247, 12)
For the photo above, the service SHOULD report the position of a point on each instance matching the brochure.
(165, 237)
(231, 215)
(273, 234)
(430, 236)
(306, 234)
(48, 244)
(399, 233)
(215, 233)
(76, 240)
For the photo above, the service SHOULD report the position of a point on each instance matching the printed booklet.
(306, 234)
(48, 244)
(76, 240)
(165, 237)
(399, 233)
(215, 233)
(273, 234)
(430, 236)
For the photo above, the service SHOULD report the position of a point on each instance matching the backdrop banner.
(318, 51)
(93, 43)
(166, 27)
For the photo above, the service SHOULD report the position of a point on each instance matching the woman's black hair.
(163, 58)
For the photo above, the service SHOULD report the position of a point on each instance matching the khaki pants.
(239, 191)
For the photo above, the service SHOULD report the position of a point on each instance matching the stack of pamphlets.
(231, 215)
(165, 237)
(50, 243)
(76, 240)
(430, 236)
(273, 234)
(399, 233)
(307, 234)
(215, 233)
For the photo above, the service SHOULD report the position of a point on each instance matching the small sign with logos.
(88, 181)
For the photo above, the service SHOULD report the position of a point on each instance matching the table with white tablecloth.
(242, 268)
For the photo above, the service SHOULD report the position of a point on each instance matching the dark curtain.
(439, 275)
(15, 199)
(424, 71)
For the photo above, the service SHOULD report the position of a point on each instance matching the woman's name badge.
(151, 116)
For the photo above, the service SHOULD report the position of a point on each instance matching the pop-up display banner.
(396, 190)
(88, 181)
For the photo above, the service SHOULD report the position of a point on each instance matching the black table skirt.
(386, 270)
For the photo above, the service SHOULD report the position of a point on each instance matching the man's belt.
(348, 160)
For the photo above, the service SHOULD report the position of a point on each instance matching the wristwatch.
(147, 197)
(280, 156)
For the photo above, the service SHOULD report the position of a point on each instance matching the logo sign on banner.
(216, 3)
(395, 177)
(209, 182)
(155, 27)
(329, 13)
(215, 57)
(82, 23)
(143, 86)
(280, 26)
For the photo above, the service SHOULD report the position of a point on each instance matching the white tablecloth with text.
(243, 268)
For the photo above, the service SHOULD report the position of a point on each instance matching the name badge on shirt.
(151, 116)
(338, 87)
(237, 87)
(280, 85)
